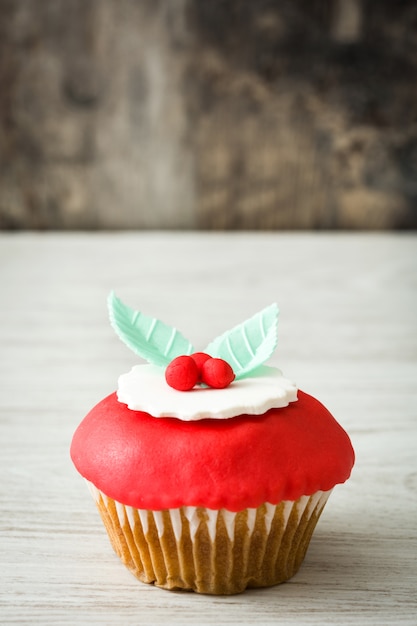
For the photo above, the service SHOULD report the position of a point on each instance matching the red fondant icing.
(158, 463)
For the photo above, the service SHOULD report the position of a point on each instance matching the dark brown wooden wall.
(228, 114)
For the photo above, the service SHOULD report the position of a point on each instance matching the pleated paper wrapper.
(212, 551)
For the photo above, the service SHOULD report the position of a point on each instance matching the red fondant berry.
(200, 358)
(182, 373)
(217, 373)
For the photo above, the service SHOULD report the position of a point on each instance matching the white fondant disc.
(144, 388)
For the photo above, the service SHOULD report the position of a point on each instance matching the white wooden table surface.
(347, 334)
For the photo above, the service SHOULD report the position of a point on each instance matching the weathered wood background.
(226, 114)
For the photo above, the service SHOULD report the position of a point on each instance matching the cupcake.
(209, 469)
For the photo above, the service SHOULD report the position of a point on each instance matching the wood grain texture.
(347, 334)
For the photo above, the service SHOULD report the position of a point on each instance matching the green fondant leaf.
(250, 344)
(148, 337)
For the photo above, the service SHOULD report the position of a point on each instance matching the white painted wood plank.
(347, 334)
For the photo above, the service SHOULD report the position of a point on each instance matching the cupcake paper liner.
(212, 551)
